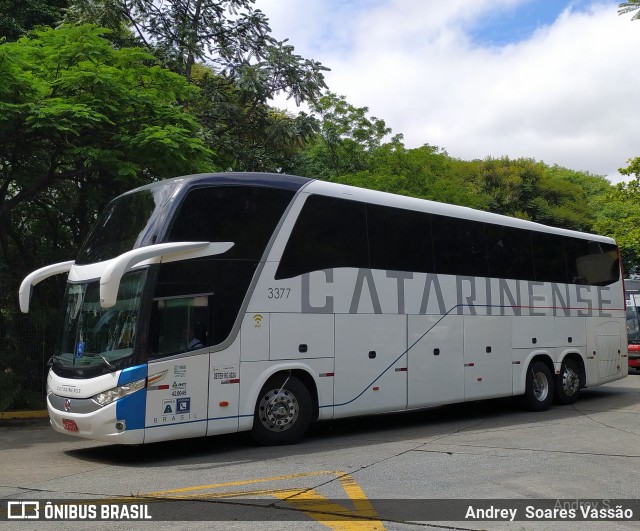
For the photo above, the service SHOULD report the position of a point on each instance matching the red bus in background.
(632, 289)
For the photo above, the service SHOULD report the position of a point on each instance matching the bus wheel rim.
(278, 410)
(540, 386)
(570, 381)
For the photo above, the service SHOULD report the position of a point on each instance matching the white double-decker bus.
(218, 303)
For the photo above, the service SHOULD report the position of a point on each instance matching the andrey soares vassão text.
(563, 510)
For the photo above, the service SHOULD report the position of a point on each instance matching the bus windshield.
(93, 335)
(129, 221)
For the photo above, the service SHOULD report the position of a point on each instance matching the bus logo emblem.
(67, 405)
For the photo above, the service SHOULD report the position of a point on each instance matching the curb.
(15, 415)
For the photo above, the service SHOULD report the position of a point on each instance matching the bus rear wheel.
(539, 387)
(568, 383)
(283, 411)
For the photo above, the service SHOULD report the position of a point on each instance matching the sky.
(553, 80)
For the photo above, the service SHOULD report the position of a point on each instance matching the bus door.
(177, 390)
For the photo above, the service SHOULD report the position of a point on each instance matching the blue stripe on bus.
(132, 374)
(132, 408)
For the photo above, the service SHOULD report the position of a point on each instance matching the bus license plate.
(69, 425)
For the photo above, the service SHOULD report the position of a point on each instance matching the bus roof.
(314, 186)
(271, 180)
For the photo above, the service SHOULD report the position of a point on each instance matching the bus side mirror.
(152, 254)
(24, 293)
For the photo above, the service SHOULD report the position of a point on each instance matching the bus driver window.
(180, 324)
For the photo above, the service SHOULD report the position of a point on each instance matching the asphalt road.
(381, 467)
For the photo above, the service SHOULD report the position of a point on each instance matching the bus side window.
(591, 262)
(179, 324)
(399, 240)
(459, 246)
(549, 258)
(329, 233)
(510, 254)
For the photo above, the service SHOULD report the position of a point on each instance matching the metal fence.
(26, 344)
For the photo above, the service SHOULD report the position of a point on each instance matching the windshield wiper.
(55, 357)
(94, 354)
(105, 360)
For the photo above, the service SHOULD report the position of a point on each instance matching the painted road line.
(360, 516)
(243, 482)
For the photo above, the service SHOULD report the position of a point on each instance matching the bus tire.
(538, 393)
(283, 411)
(568, 384)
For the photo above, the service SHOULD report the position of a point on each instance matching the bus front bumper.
(80, 418)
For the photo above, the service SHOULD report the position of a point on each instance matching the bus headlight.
(111, 395)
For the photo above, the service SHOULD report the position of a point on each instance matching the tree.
(630, 7)
(81, 122)
(626, 197)
(246, 133)
(426, 172)
(346, 140)
(227, 35)
(225, 48)
(619, 217)
(17, 18)
(529, 189)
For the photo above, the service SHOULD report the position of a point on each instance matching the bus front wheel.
(283, 411)
(539, 387)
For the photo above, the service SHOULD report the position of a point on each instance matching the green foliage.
(246, 133)
(531, 190)
(426, 172)
(229, 35)
(186, 31)
(17, 18)
(10, 387)
(346, 141)
(110, 14)
(630, 7)
(350, 148)
(620, 218)
(23, 344)
(80, 122)
(70, 93)
(246, 68)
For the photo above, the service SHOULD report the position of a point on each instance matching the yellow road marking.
(362, 517)
(245, 482)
